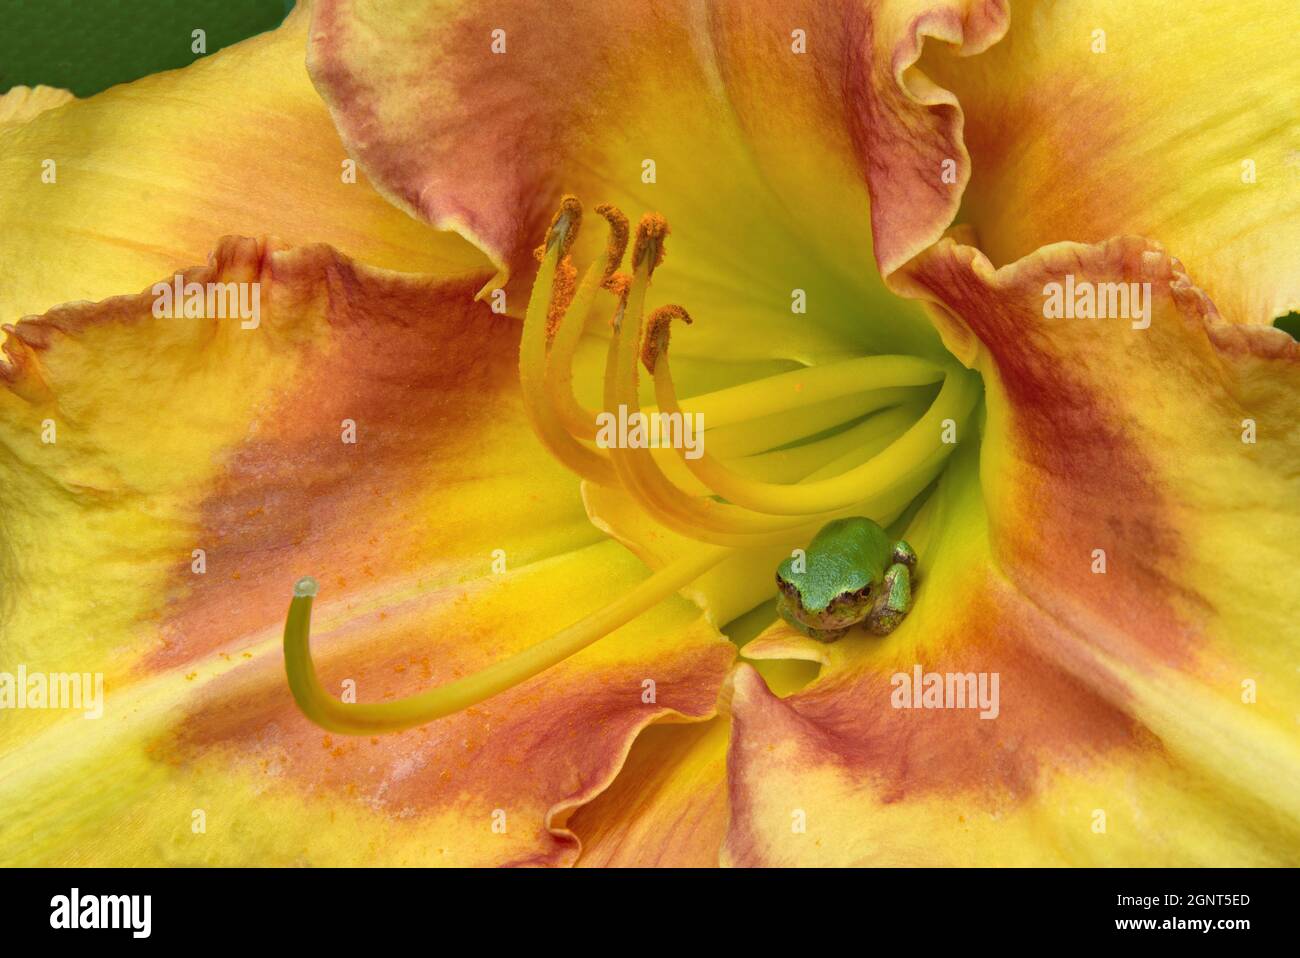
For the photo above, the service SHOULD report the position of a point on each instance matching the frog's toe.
(905, 554)
(893, 602)
(884, 622)
(821, 635)
(826, 635)
(790, 613)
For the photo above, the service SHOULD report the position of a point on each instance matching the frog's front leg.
(893, 600)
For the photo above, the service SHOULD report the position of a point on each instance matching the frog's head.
(835, 582)
(829, 620)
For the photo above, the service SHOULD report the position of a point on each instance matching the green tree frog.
(850, 573)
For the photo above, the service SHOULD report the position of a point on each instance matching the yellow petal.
(668, 806)
(112, 192)
(1100, 118)
(22, 103)
(443, 537)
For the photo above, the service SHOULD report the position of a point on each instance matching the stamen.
(740, 405)
(564, 227)
(368, 718)
(703, 519)
(532, 352)
(617, 244)
(657, 333)
(578, 420)
(650, 235)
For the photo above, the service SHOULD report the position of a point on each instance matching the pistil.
(368, 718)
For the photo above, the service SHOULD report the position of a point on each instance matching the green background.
(89, 45)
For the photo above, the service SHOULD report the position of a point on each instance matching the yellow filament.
(800, 388)
(900, 461)
(796, 463)
(776, 458)
(368, 718)
(780, 429)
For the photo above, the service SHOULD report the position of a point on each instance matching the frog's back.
(845, 556)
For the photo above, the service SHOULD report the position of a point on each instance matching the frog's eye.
(897, 452)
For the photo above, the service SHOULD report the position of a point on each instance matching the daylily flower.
(1090, 523)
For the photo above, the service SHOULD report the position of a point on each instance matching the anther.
(650, 233)
(657, 332)
(564, 227)
(562, 292)
(617, 245)
(620, 285)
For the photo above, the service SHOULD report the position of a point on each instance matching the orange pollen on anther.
(650, 233)
(617, 245)
(569, 217)
(619, 284)
(655, 343)
(562, 290)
